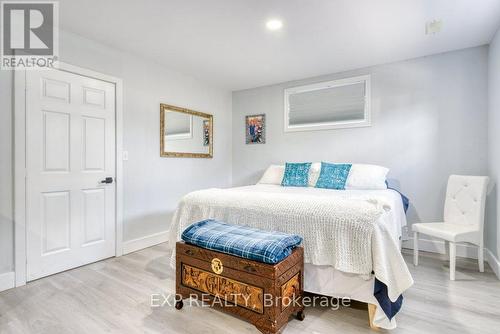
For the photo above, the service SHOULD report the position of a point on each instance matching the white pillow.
(273, 175)
(314, 173)
(361, 176)
(369, 177)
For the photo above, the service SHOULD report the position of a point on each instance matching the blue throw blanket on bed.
(404, 199)
(242, 241)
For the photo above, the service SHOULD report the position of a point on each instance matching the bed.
(351, 237)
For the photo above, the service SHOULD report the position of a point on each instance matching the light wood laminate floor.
(114, 296)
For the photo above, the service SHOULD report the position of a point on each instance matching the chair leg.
(453, 258)
(480, 258)
(415, 248)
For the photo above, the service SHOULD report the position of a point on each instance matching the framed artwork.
(206, 133)
(255, 129)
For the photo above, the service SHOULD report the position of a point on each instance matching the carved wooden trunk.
(265, 295)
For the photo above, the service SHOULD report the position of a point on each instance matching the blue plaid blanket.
(242, 241)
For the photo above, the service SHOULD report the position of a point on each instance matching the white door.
(70, 150)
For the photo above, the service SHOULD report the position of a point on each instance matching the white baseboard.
(437, 246)
(492, 261)
(7, 280)
(144, 242)
(463, 250)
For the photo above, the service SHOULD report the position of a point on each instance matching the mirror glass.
(185, 133)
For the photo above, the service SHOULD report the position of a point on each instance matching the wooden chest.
(265, 295)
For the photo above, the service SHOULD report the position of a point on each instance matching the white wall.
(152, 185)
(493, 232)
(429, 120)
(6, 174)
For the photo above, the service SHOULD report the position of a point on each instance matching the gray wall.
(492, 231)
(6, 173)
(429, 120)
(152, 185)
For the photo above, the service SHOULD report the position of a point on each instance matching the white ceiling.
(225, 42)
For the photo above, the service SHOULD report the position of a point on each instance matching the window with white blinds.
(328, 105)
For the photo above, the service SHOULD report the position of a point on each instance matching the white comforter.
(341, 229)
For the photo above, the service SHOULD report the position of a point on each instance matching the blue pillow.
(333, 176)
(296, 174)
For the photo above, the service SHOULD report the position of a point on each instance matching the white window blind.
(333, 104)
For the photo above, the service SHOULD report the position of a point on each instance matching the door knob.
(107, 180)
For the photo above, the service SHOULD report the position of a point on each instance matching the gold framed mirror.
(185, 133)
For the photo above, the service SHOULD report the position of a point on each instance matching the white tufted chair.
(463, 218)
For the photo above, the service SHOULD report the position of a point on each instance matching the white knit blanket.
(343, 233)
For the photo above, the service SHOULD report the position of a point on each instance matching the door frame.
(20, 245)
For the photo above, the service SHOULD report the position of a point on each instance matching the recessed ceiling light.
(274, 24)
